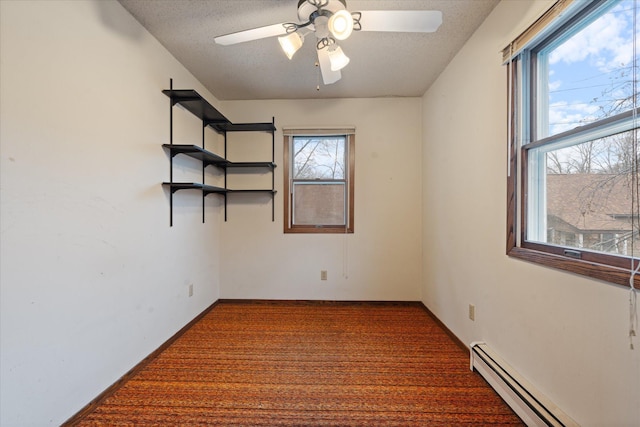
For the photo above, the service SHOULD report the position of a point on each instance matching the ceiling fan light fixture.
(330, 21)
(291, 43)
(341, 24)
(338, 59)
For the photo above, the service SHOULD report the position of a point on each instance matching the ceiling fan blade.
(253, 34)
(328, 75)
(402, 21)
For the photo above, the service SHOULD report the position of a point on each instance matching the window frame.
(522, 106)
(289, 227)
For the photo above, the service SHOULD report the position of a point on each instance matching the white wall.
(381, 260)
(566, 334)
(92, 277)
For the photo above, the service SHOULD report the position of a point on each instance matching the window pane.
(319, 203)
(586, 198)
(587, 75)
(319, 157)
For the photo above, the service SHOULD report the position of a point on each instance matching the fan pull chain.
(317, 76)
(635, 191)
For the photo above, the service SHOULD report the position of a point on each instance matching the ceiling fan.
(330, 21)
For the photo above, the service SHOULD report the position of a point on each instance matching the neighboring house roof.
(589, 203)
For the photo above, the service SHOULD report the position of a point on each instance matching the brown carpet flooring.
(307, 364)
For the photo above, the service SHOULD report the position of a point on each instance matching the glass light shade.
(338, 59)
(328, 76)
(341, 24)
(290, 43)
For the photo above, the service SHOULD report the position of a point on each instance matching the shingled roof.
(589, 203)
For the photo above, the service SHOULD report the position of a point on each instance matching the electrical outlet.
(323, 274)
(191, 290)
(472, 312)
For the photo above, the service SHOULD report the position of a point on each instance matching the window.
(318, 181)
(573, 140)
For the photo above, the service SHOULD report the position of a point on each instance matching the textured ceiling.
(382, 64)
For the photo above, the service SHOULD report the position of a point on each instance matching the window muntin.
(576, 122)
(319, 183)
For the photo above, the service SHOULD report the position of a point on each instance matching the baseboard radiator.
(530, 405)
